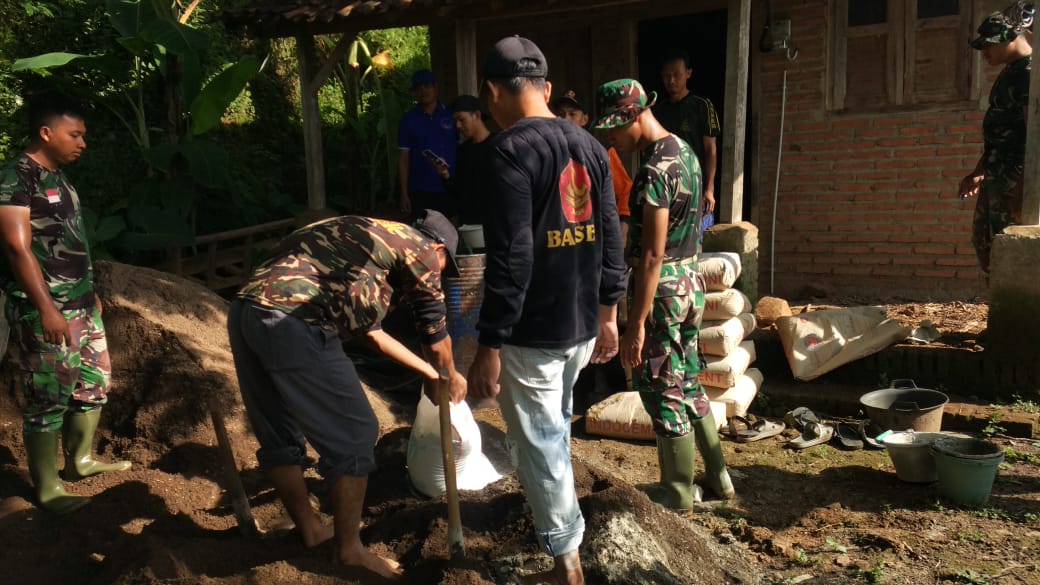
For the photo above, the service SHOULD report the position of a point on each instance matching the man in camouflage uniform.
(667, 293)
(997, 178)
(327, 283)
(53, 310)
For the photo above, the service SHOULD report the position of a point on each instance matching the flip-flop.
(868, 430)
(813, 434)
(754, 431)
(847, 437)
(801, 417)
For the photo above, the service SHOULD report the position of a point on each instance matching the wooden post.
(466, 56)
(734, 127)
(1031, 181)
(311, 123)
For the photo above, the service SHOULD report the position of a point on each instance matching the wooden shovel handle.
(456, 546)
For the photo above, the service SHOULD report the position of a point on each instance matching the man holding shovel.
(554, 276)
(326, 283)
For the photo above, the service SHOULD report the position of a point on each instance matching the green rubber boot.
(42, 453)
(78, 440)
(715, 472)
(676, 489)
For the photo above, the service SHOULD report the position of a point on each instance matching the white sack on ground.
(739, 397)
(473, 470)
(821, 341)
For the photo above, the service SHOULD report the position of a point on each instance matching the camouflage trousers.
(667, 378)
(59, 378)
(999, 205)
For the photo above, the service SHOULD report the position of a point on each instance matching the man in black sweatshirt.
(553, 281)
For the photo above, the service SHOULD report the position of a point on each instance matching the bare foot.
(360, 556)
(316, 535)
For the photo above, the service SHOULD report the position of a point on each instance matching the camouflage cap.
(1004, 25)
(620, 101)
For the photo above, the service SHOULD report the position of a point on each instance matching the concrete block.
(741, 238)
(1014, 313)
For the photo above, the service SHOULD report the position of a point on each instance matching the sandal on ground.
(753, 431)
(800, 418)
(868, 430)
(813, 434)
(847, 437)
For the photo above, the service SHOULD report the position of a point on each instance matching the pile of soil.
(168, 520)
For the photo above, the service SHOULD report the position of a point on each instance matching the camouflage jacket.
(59, 240)
(341, 274)
(1004, 127)
(670, 178)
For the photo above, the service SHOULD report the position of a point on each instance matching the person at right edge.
(554, 277)
(997, 178)
(667, 295)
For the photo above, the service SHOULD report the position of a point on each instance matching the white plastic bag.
(473, 470)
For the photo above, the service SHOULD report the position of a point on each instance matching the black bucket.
(903, 406)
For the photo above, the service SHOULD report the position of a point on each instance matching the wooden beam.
(466, 56)
(334, 58)
(734, 127)
(1031, 181)
(311, 124)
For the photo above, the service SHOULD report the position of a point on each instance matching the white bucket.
(473, 236)
(911, 454)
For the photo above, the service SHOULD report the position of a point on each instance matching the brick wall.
(867, 201)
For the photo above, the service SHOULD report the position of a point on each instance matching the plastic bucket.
(904, 406)
(472, 236)
(966, 469)
(463, 296)
(911, 453)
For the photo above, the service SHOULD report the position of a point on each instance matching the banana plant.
(162, 47)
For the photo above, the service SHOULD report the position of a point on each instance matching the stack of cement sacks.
(728, 321)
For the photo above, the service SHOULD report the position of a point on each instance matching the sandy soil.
(817, 516)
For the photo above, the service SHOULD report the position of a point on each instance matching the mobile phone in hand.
(433, 158)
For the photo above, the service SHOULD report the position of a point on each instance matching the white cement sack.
(473, 470)
(723, 372)
(739, 397)
(725, 304)
(820, 341)
(719, 269)
(622, 416)
(720, 338)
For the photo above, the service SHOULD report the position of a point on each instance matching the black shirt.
(465, 184)
(692, 118)
(554, 250)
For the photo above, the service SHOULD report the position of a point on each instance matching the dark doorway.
(703, 36)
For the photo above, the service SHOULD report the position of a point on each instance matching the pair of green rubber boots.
(675, 457)
(77, 443)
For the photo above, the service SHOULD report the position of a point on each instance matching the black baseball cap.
(569, 98)
(512, 57)
(434, 225)
(465, 103)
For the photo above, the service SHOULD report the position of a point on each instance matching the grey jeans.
(297, 385)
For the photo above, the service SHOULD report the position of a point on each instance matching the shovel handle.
(456, 546)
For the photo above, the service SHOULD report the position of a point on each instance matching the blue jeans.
(536, 402)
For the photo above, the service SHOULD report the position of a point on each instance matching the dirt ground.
(816, 516)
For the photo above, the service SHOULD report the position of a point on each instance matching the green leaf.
(136, 45)
(175, 37)
(130, 16)
(161, 155)
(209, 106)
(159, 228)
(45, 61)
(191, 77)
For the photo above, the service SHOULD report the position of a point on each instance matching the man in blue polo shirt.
(426, 133)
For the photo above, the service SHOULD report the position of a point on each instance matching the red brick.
(969, 274)
(934, 249)
(956, 150)
(897, 142)
(871, 260)
(974, 116)
(892, 271)
(852, 270)
(935, 273)
(912, 261)
(917, 130)
(850, 123)
(908, 238)
(875, 132)
(971, 129)
(965, 261)
(939, 118)
(919, 174)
